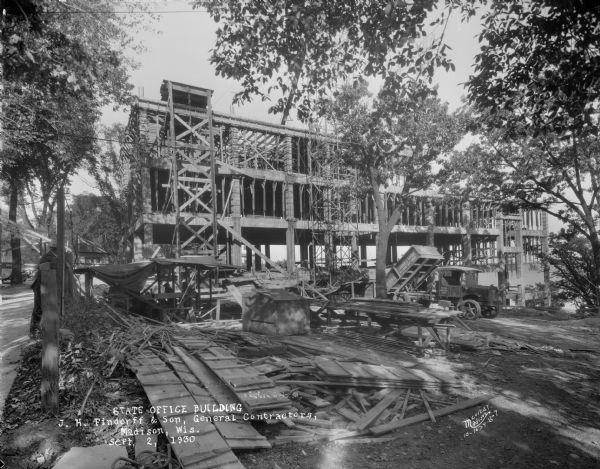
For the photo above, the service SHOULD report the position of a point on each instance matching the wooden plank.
(209, 449)
(349, 414)
(394, 425)
(209, 380)
(375, 412)
(254, 392)
(404, 405)
(426, 402)
(239, 434)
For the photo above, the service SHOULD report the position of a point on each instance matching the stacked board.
(201, 382)
(396, 310)
(253, 390)
(363, 374)
(166, 391)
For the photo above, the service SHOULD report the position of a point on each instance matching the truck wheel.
(471, 309)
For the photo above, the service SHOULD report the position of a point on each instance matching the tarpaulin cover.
(130, 277)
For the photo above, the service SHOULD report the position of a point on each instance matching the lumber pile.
(208, 448)
(383, 344)
(309, 388)
(254, 390)
(358, 374)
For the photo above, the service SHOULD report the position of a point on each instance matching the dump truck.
(419, 277)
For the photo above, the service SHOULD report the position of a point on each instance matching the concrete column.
(257, 260)
(304, 254)
(329, 251)
(519, 257)
(546, 267)
(363, 254)
(145, 190)
(236, 213)
(138, 247)
(466, 239)
(249, 255)
(236, 217)
(290, 243)
(354, 250)
(148, 240)
(430, 222)
(500, 251)
(290, 233)
(394, 250)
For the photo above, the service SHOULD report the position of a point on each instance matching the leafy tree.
(61, 65)
(535, 96)
(571, 257)
(304, 49)
(110, 174)
(92, 219)
(392, 143)
(539, 63)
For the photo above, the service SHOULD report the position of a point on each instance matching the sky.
(180, 52)
(178, 49)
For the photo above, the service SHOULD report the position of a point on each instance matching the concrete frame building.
(209, 183)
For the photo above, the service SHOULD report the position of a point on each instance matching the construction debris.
(317, 387)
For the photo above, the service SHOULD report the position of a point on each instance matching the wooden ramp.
(413, 267)
(255, 391)
(164, 388)
(208, 392)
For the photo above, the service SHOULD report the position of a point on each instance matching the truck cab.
(459, 284)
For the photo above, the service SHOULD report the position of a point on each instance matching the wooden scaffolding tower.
(190, 142)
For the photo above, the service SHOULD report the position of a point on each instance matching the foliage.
(392, 143)
(61, 67)
(395, 140)
(306, 48)
(539, 62)
(92, 220)
(109, 170)
(535, 97)
(572, 260)
(73, 47)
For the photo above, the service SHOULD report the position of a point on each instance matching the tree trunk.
(383, 238)
(16, 275)
(595, 242)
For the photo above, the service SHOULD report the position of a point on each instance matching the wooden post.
(89, 281)
(49, 325)
(60, 247)
(174, 173)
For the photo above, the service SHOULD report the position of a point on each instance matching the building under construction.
(210, 183)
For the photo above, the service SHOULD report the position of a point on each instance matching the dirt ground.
(545, 412)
